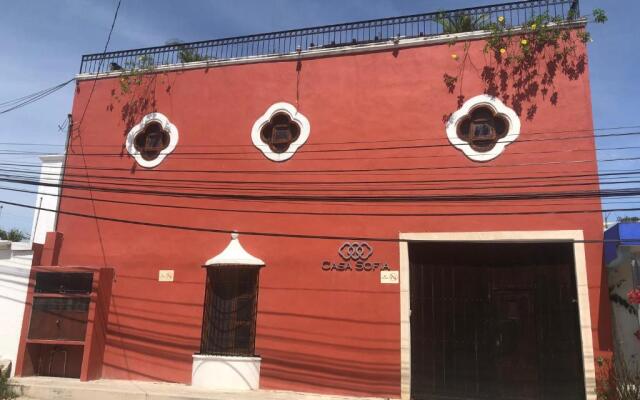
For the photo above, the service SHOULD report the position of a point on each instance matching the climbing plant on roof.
(460, 23)
(522, 62)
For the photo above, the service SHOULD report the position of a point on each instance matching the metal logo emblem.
(357, 251)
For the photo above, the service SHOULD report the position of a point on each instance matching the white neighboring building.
(15, 263)
(15, 260)
(50, 174)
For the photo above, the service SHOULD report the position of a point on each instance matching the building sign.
(165, 275)
(390, 277)
(356, 256)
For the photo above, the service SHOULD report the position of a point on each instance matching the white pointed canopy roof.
(234, 254)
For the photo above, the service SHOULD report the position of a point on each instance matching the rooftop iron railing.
(331, 36)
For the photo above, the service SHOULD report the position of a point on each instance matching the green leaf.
(599, 16)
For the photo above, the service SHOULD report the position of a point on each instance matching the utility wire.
(476, 175)
(104, 51)
(355, 149)
(476, 168)
(445, 205)
(260, 157)
(71, 127)
(272, 234)
(373, 188)
(617, 174)
(338, 213)
(466, 197)
(15, 104)
(9, 103)
(320, 143)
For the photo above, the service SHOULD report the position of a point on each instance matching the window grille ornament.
(280, 132)
(150, 141)
(483, 128)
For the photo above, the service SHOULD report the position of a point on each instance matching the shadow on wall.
(137, 95)
(155, 339)
(292, 370)
(13, 283)
(522, 70)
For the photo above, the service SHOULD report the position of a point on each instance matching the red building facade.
(396, 204)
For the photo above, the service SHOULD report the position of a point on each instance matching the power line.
(9, 103)
(466, 197)
(268, 234)
(341, 182)
(104, 51)
(69, 138)
(476, 175)
(15, 104)
(338, 213)
(371, 170)
(303, 150)
(336, 143)
(375, 188)
(260, 157)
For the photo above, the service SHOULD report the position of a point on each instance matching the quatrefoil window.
(150, 141)
(483, 128)
(280, 131)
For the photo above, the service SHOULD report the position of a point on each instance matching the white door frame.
(575, 236)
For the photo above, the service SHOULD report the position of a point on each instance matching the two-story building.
(414, 197)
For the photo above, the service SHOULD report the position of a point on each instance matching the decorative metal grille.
(151, 141)
(63, 282)
(229, 320)
(329, 36)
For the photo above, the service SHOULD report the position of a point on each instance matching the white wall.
(14, 278)
(15, 260)
(45, 221)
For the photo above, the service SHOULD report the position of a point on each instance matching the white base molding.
(225, 372)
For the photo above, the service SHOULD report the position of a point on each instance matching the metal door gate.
(494, 321)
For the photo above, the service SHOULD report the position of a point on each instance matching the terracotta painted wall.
(317, 331)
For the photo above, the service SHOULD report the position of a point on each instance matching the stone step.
(45, 388)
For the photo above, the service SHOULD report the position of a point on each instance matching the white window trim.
(295, 116)
(146, 120)
(500, 109)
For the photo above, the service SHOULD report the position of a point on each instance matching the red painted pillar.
(51, 249)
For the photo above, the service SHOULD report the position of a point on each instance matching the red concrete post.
(51, 249)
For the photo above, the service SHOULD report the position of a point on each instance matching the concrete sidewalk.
(44, 388)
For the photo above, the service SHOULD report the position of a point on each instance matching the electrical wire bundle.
(15, 104)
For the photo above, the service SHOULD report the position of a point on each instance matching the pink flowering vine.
(634, 296)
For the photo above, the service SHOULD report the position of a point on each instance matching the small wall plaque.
(389, 277)
(165, 275)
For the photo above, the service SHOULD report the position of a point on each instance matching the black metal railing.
(331, 36)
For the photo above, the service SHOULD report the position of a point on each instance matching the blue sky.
(42, 42)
